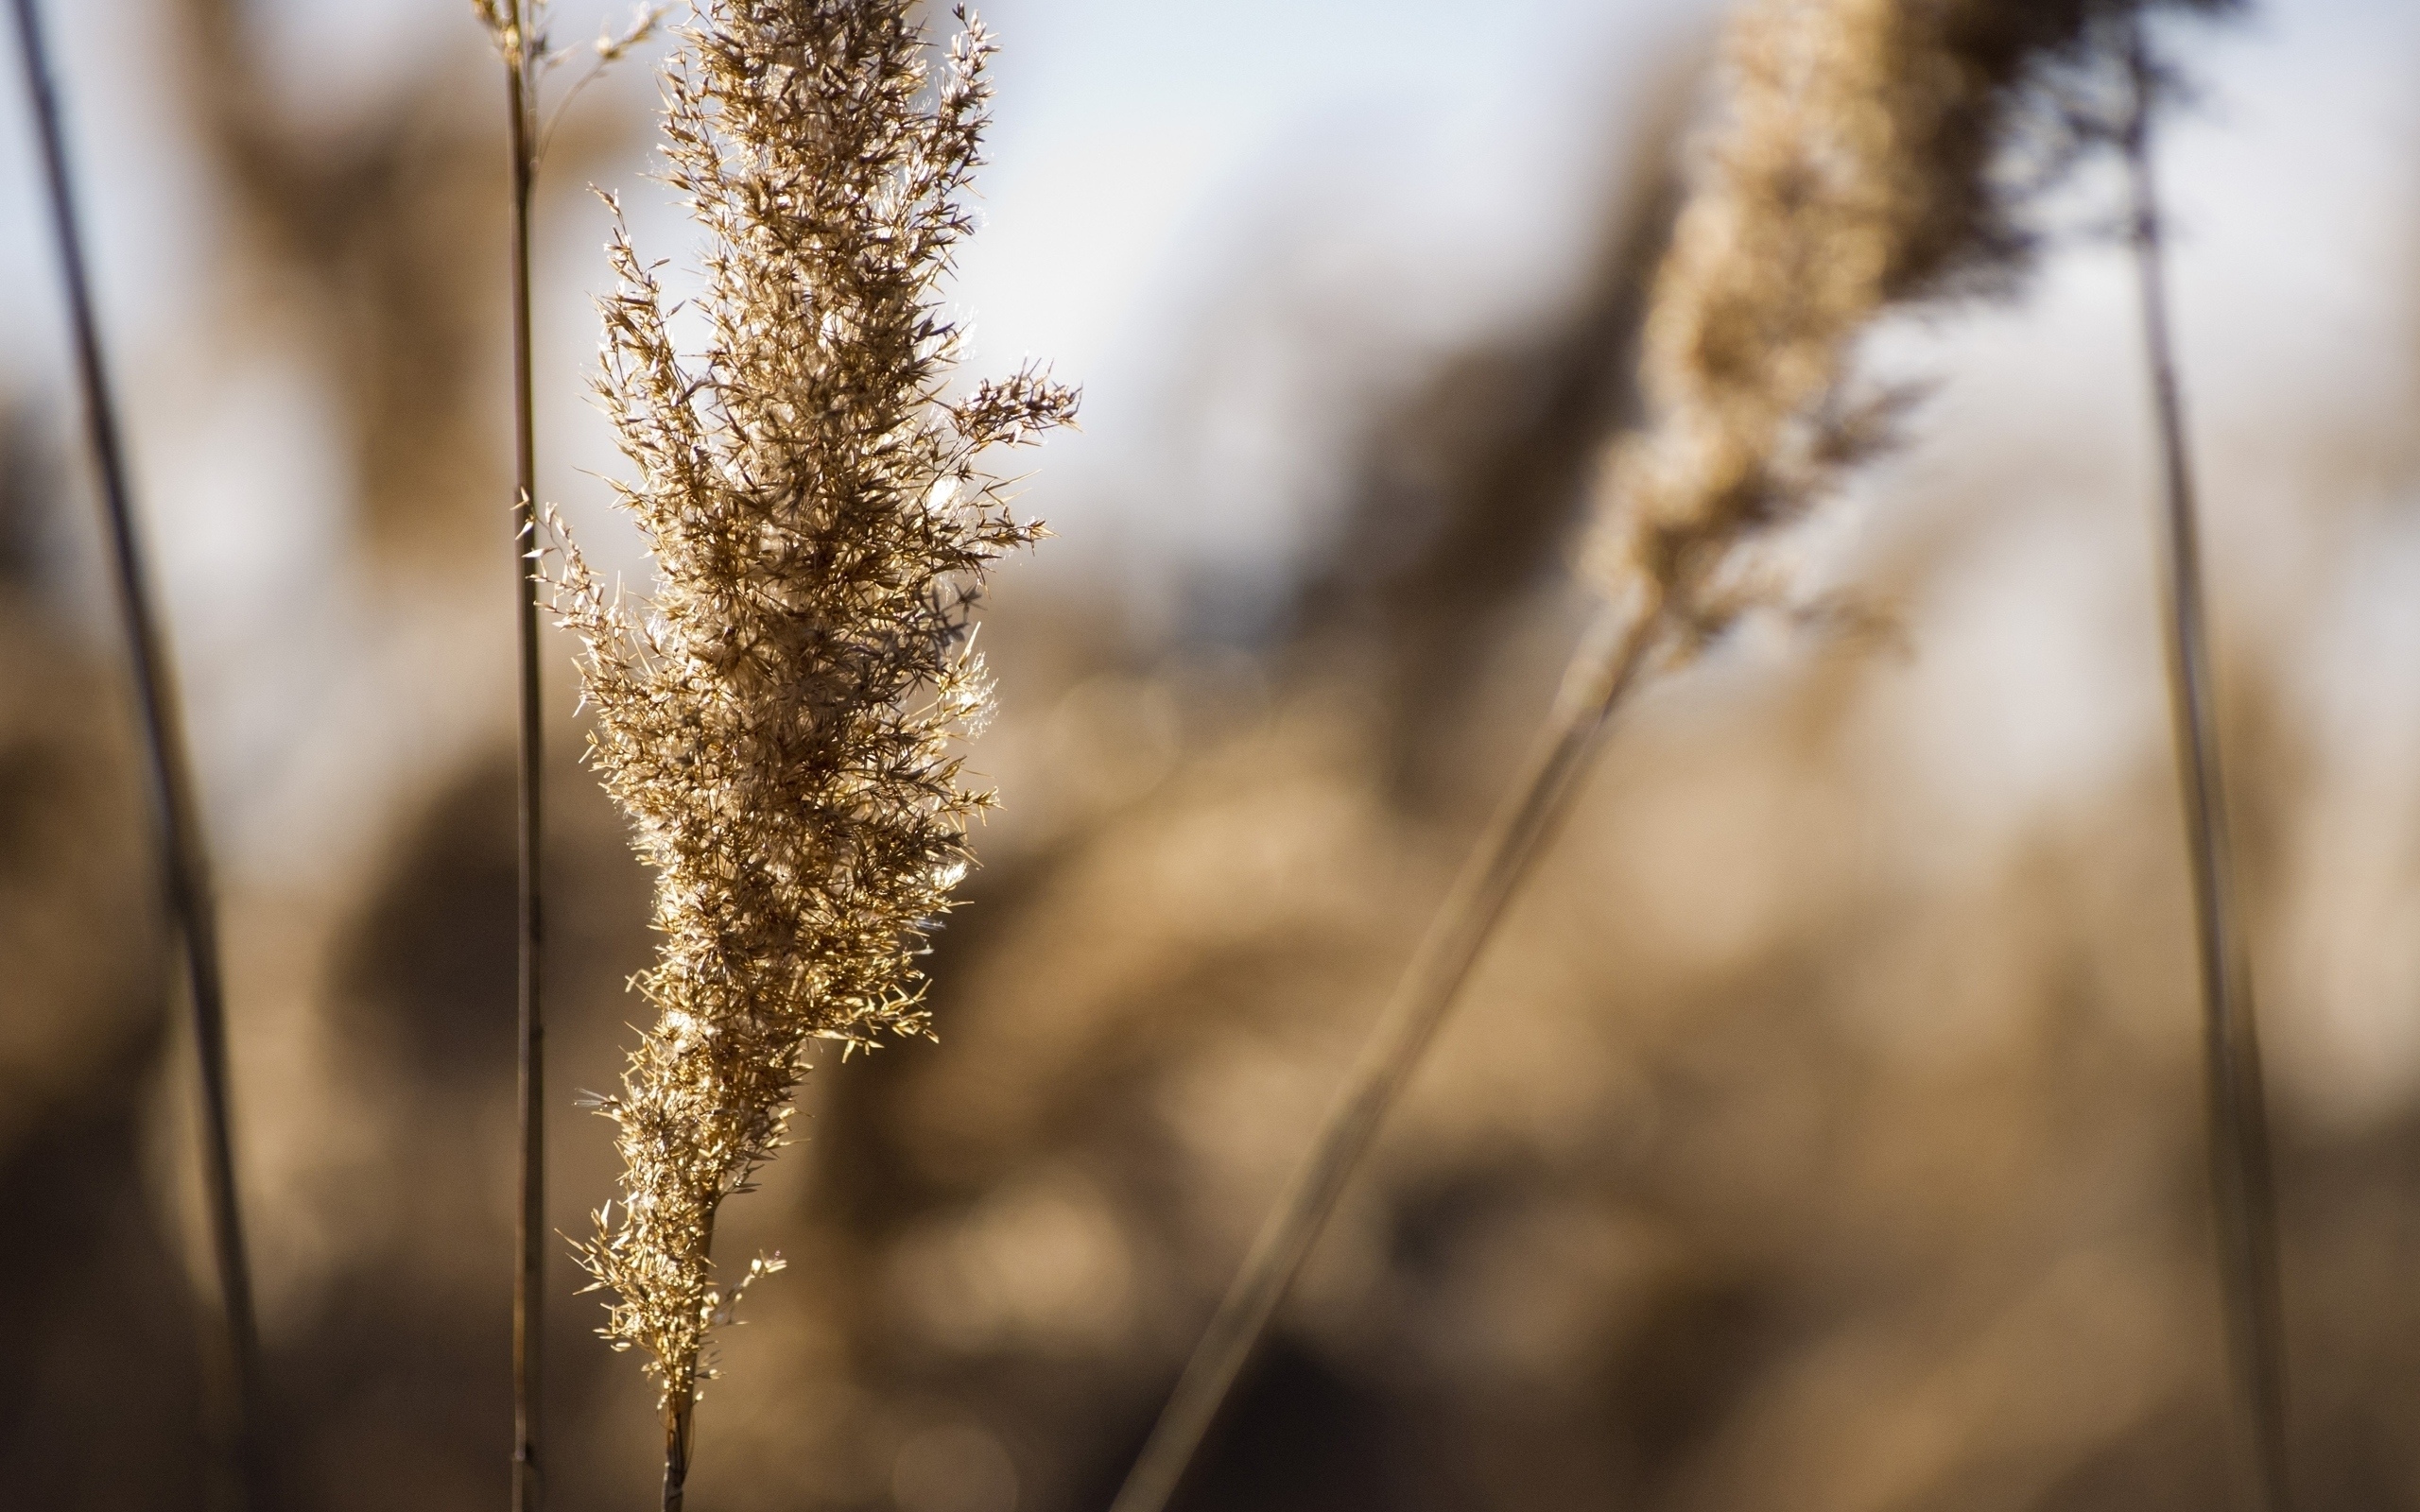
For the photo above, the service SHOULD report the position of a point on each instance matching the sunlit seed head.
(777, 716)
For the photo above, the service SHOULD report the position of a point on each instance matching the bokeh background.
(1821, 1132)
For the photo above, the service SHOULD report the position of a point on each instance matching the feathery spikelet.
(1861, 166)
(777, 718)
(504, 24)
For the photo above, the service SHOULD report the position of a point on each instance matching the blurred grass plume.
(1867, 161)
(1861, 164)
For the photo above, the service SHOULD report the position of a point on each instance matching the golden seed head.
(778, 718)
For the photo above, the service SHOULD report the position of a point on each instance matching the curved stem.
(2240, 1172)
(185, 859)
(1604, 668)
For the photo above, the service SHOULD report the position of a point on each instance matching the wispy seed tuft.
(1867, 161)
(777, 718)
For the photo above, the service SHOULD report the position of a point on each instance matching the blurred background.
(1822, 1130)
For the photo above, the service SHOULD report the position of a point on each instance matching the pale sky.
(1175, 191)
(1424, 169)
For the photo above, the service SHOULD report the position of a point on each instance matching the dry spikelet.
(503, 21)
(1863, 165)
(777, 718)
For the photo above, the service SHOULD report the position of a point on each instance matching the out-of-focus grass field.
(1822, 1132)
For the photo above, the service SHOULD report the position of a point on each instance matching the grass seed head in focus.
(778, 718)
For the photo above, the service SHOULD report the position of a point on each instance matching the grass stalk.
(680, 1420)
(2241, 1171)
(529, 1280)
(184, 861)
(1602, 671)
(517, 27)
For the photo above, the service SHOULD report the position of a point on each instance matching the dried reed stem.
(528, 1277)
(518, 29)
(2241, 1173)
(1606, 667)
(184, 861)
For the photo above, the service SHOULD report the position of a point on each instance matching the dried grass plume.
(1874, 153)
(778, 718)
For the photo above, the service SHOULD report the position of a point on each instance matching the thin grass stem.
(2240, 1172)
(1604, 668)
(528, 1281)
(679, 1423)
(184, 861)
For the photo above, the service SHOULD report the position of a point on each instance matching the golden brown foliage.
(777, 722)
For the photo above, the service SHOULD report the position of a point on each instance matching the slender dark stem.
(680, 1421)
(184, 859)
(2241, 1174)
(529, 1294)
(1604, 668)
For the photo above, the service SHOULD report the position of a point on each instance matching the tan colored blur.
(1822, 1133)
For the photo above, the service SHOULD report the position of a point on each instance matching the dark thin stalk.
(183, 861)
(1604, 668)
(680, 1419)
(2240, 1175)
(681, 1422)
(529, 1295)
